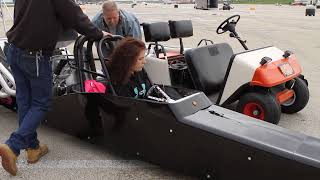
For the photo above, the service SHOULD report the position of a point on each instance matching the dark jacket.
(137, 87)
(38, 23)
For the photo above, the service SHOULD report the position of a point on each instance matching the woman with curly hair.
(126, 68)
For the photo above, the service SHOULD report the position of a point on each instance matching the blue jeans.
(33, 95)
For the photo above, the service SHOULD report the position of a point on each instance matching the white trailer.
(205, 4)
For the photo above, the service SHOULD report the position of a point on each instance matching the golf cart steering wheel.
(225, 25)
(161, 95)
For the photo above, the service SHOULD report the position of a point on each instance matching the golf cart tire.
(310, 12)
(301, 92)
(266, 101)
(226, 8)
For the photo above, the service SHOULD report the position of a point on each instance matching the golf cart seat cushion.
(208, 66)
(181, 29)
(154, 32)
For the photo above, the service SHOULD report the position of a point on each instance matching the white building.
(303, 1)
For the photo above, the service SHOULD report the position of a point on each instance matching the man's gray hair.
(109, 5)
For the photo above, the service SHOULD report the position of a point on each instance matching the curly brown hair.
(123, 58)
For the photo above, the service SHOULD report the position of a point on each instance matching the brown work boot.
(9, 159)
(33, 155)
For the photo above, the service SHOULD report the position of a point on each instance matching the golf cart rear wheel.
(299, 99)
(262, 106)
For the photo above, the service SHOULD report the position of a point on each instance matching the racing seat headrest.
(208, 66)
(154, 32)
(181, 29)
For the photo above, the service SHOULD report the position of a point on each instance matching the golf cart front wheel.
(300, 98)
(262, 106)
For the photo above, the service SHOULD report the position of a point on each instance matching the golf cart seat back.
(155, 32)
(181, 29)
(208, 66)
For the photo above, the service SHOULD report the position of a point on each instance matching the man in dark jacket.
(32, 38)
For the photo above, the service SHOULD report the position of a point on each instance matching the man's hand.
(106, 34)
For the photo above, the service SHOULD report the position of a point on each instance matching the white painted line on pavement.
(85, 164)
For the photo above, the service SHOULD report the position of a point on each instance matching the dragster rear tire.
(301, 93)
(265, 102)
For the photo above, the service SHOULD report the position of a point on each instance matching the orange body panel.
(270, 75)
(283, 96)
(169, 54)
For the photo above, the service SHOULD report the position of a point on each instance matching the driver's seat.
(208, 66)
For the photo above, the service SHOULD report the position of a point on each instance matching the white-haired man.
(117, 21)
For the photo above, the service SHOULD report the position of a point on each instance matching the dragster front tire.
(300, 99)
(260, 105)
